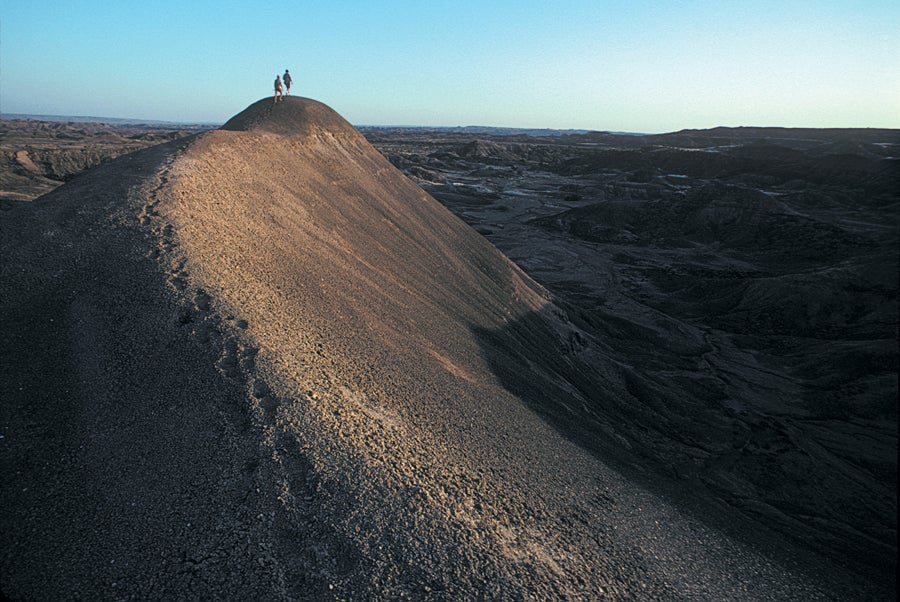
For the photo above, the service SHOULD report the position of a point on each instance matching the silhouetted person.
(287, 82)
(278, 94)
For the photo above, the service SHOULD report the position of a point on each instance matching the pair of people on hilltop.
(286, 85)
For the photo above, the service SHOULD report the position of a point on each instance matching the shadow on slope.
(644, 397)
(129, 462)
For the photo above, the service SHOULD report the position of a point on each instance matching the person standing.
(278, 94)
(287, 82)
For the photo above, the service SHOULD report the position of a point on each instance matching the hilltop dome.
(294, 116)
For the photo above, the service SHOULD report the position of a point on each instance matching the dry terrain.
(37, 156)
(260, 363)
(741, 283)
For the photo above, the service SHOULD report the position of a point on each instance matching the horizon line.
(4, 116)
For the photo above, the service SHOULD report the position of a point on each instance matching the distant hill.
(472, 130)
(110, 120)
(797, 138)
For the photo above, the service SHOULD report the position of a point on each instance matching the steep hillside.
(260, 363)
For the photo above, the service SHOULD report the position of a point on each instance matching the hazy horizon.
(605, 66)
(141, 121)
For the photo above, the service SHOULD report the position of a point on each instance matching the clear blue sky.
(629, 65)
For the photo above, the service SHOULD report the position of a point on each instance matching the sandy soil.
(261, 363)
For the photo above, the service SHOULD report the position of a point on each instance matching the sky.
(629, 65)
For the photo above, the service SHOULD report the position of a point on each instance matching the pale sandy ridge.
(249, 365)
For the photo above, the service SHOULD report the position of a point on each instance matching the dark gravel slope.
(262, 364)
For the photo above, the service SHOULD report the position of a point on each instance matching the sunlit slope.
(260, 363)
(308, 231)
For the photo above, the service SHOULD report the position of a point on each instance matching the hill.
(259, 362)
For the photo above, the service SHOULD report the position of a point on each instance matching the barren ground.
(260, 363)
(746, 279)
(37, 156)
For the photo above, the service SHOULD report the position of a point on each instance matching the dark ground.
(37, 156)
(730, 305)
(745, 282)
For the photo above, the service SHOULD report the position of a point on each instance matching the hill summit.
(260, 363)
(294, 116)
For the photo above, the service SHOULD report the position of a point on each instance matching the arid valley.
(744, 280)
(284, 360)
